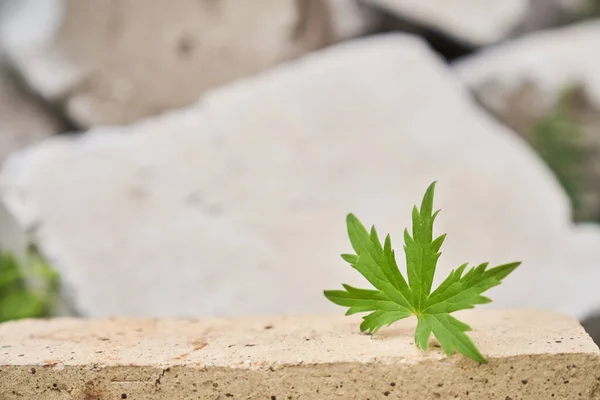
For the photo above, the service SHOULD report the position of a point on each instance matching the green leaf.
(377, 319)
(361, 300)
(368, 247)
(465, 292)
(372, 263)
(421, 251)
(450, 332)
(422, 333)
(395, 298)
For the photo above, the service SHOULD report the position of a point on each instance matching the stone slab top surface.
(261, 342)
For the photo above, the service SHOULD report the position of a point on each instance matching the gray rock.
(116, 62)
(546, 86)
(479, 23)
(23, 120)
(236, 205)
(592, 327)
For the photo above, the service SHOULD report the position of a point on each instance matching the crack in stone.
(157, 382)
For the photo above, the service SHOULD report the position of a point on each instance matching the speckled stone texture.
(531, 355)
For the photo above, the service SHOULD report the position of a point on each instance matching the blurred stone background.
(184, 158)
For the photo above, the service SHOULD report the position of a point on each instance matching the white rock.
(236, 205)
(549, 61)
(481, 22)
(526, 81)
(113, 63)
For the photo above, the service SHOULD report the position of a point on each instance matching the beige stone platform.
(531, 355)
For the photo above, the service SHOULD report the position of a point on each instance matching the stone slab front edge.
(531, 355)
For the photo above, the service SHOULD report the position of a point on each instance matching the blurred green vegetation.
(28, 292)
(558, 139)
